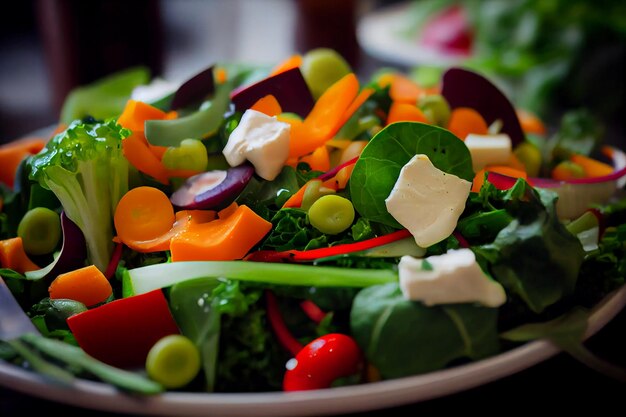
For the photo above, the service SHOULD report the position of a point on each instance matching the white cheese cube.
(488, 149)
(260, 139)
(427, 201)
(455, 277)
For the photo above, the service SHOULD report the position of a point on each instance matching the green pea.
(436, 109)
(331, 214)
(191, 155)
(530, 156)
(173, 361)
(321, 68)
(40, 230)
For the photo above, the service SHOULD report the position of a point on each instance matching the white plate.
(340, 400)
(378, 33)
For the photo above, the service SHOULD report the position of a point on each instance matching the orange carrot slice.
(13, 256)
(138, 152)
(479, 178)
(465, 120)
(404, 90)
(294, 61)
(221, 75)
(403, 112)
(228, 238)
(12, 154)
(136, 113)
(354, 106)
(592, 167)
(530, 122)
(142, 214)
(87, 285)
(267, 105)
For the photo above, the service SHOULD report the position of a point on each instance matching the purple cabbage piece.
(194, 89)
(464, 88)
(72, 256)
(289, 88)
(212, 190)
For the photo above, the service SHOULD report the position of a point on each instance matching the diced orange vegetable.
(293, 61)
(354, 106)
(87, 285)
(464, 120)
(221, 75)
(530, 122)
(592, 167)
(567, 170)
(319, 160)
(479, 178)
(267, 105)
(12, 153)
(325, 119)
(13, 256)
(136, 113)
(404, 90)
(403, 112)
(143, 214)
(228, 238)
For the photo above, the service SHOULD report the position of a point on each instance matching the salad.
(296, 228)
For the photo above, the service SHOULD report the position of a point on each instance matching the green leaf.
(379, 165)
(402, 337)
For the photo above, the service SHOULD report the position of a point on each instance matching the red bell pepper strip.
(312, 311)
(322, 361)
(313, 254)
(122, 332)
(284, 336)
(329, 174)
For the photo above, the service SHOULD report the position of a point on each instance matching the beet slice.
(72, 256)
(212, 190)
(464, 88)
(194, 89)
(288, 87)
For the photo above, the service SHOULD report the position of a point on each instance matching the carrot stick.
(267, 105)
(87, 285)
(294, 61)
(228, 238)
(143, 213)
(137, 151)
(325, 119)
(464, 120)
(403, 112)
(354, 106)
(13, 256)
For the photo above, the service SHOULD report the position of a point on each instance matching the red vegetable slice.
(289, 89)
(194, 89)
(313, 254)
(464, 88)
(122, 332)
(285, 338)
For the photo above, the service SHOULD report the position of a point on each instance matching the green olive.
(191, 155)
(40, 230)
(173, 361)
(436, 109)
(321, 68)
(331, 214)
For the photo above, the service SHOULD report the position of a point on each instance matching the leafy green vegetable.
(402, 337)
(85, 168)
(379, 165)
(534, 256)
(104, 98)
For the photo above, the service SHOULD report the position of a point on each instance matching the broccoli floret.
(85, 168)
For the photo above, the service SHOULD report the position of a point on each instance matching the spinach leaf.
(378, 168)
(402, 337)
(534, 256)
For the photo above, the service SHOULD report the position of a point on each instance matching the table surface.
(560, 383)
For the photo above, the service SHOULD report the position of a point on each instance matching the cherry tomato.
(322, 361)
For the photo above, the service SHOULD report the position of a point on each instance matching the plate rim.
(356, 398)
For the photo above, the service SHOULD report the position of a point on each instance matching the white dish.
(378, 33)
(348, 399)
